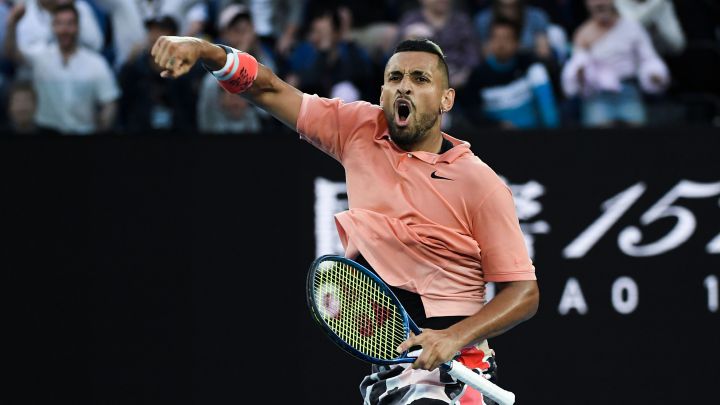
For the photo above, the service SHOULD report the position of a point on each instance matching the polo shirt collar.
(459, 148)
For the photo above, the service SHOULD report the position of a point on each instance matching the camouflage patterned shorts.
(401, 385)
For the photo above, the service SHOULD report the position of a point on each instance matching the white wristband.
(230, 64)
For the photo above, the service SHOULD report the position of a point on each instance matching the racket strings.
(358, 311)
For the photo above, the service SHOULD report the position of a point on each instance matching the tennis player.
(426, 214)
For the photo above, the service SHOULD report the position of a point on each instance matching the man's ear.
(448, 100)
(381, 94)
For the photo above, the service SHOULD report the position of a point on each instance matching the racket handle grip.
(487, 388)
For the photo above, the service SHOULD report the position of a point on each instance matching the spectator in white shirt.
(128, 29)
(613, 59)
(76, 89)
(35, 26)
(659, 19)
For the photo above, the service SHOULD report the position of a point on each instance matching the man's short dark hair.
(67, 7)
(329, 12)
(165, 22)
(425, 45)
(22, 86)
(498, 21)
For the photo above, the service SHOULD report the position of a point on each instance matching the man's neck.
(430, 143)
(67, 52)
(331, 55)
(609, 23)
(25, 127)
(501, 64)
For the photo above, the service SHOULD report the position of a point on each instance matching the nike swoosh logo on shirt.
(435, 176)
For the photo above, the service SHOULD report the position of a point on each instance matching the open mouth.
(403, 109)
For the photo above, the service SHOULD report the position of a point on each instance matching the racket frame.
(408, 323)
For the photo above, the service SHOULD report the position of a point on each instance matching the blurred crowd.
(84, 66)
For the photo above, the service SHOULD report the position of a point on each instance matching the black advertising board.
(171, 270)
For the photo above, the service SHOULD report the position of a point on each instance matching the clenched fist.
(176, 55)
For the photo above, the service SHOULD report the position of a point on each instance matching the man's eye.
(422, 79)
(394, 78)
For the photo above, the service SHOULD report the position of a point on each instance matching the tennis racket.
(360, 313)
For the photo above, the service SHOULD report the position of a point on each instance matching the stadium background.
(168, 267)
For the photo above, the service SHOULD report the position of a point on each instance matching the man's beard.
(66, 42)
(413, 133)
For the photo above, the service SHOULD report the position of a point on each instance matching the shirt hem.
(511, 277)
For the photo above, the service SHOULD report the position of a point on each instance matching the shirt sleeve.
(650, 64)
(502, 246)
(329, 124)
(90, 33)
(569, 76)
(106, 88)
(33, 53)
(643, 12)
(26, 33)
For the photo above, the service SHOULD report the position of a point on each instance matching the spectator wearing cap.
(613, 60)
(237, 29)
(195, 20)
(220, 112)
(276, 21)
(452, 30)
(76, 89)
(36, 25)
(150, 102)
(328, 65)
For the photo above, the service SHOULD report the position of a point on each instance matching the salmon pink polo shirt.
(439, 225)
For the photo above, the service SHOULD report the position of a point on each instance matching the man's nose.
(404, 87)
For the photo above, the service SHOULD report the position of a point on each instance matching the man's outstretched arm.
(176, 55)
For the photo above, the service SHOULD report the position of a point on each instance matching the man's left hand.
(438, 347)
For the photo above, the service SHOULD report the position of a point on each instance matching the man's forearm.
(10, 44)
(255, 82)
(213, 56)
(107, 115)
(275, 96)
(515, 303)
(268, 91)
